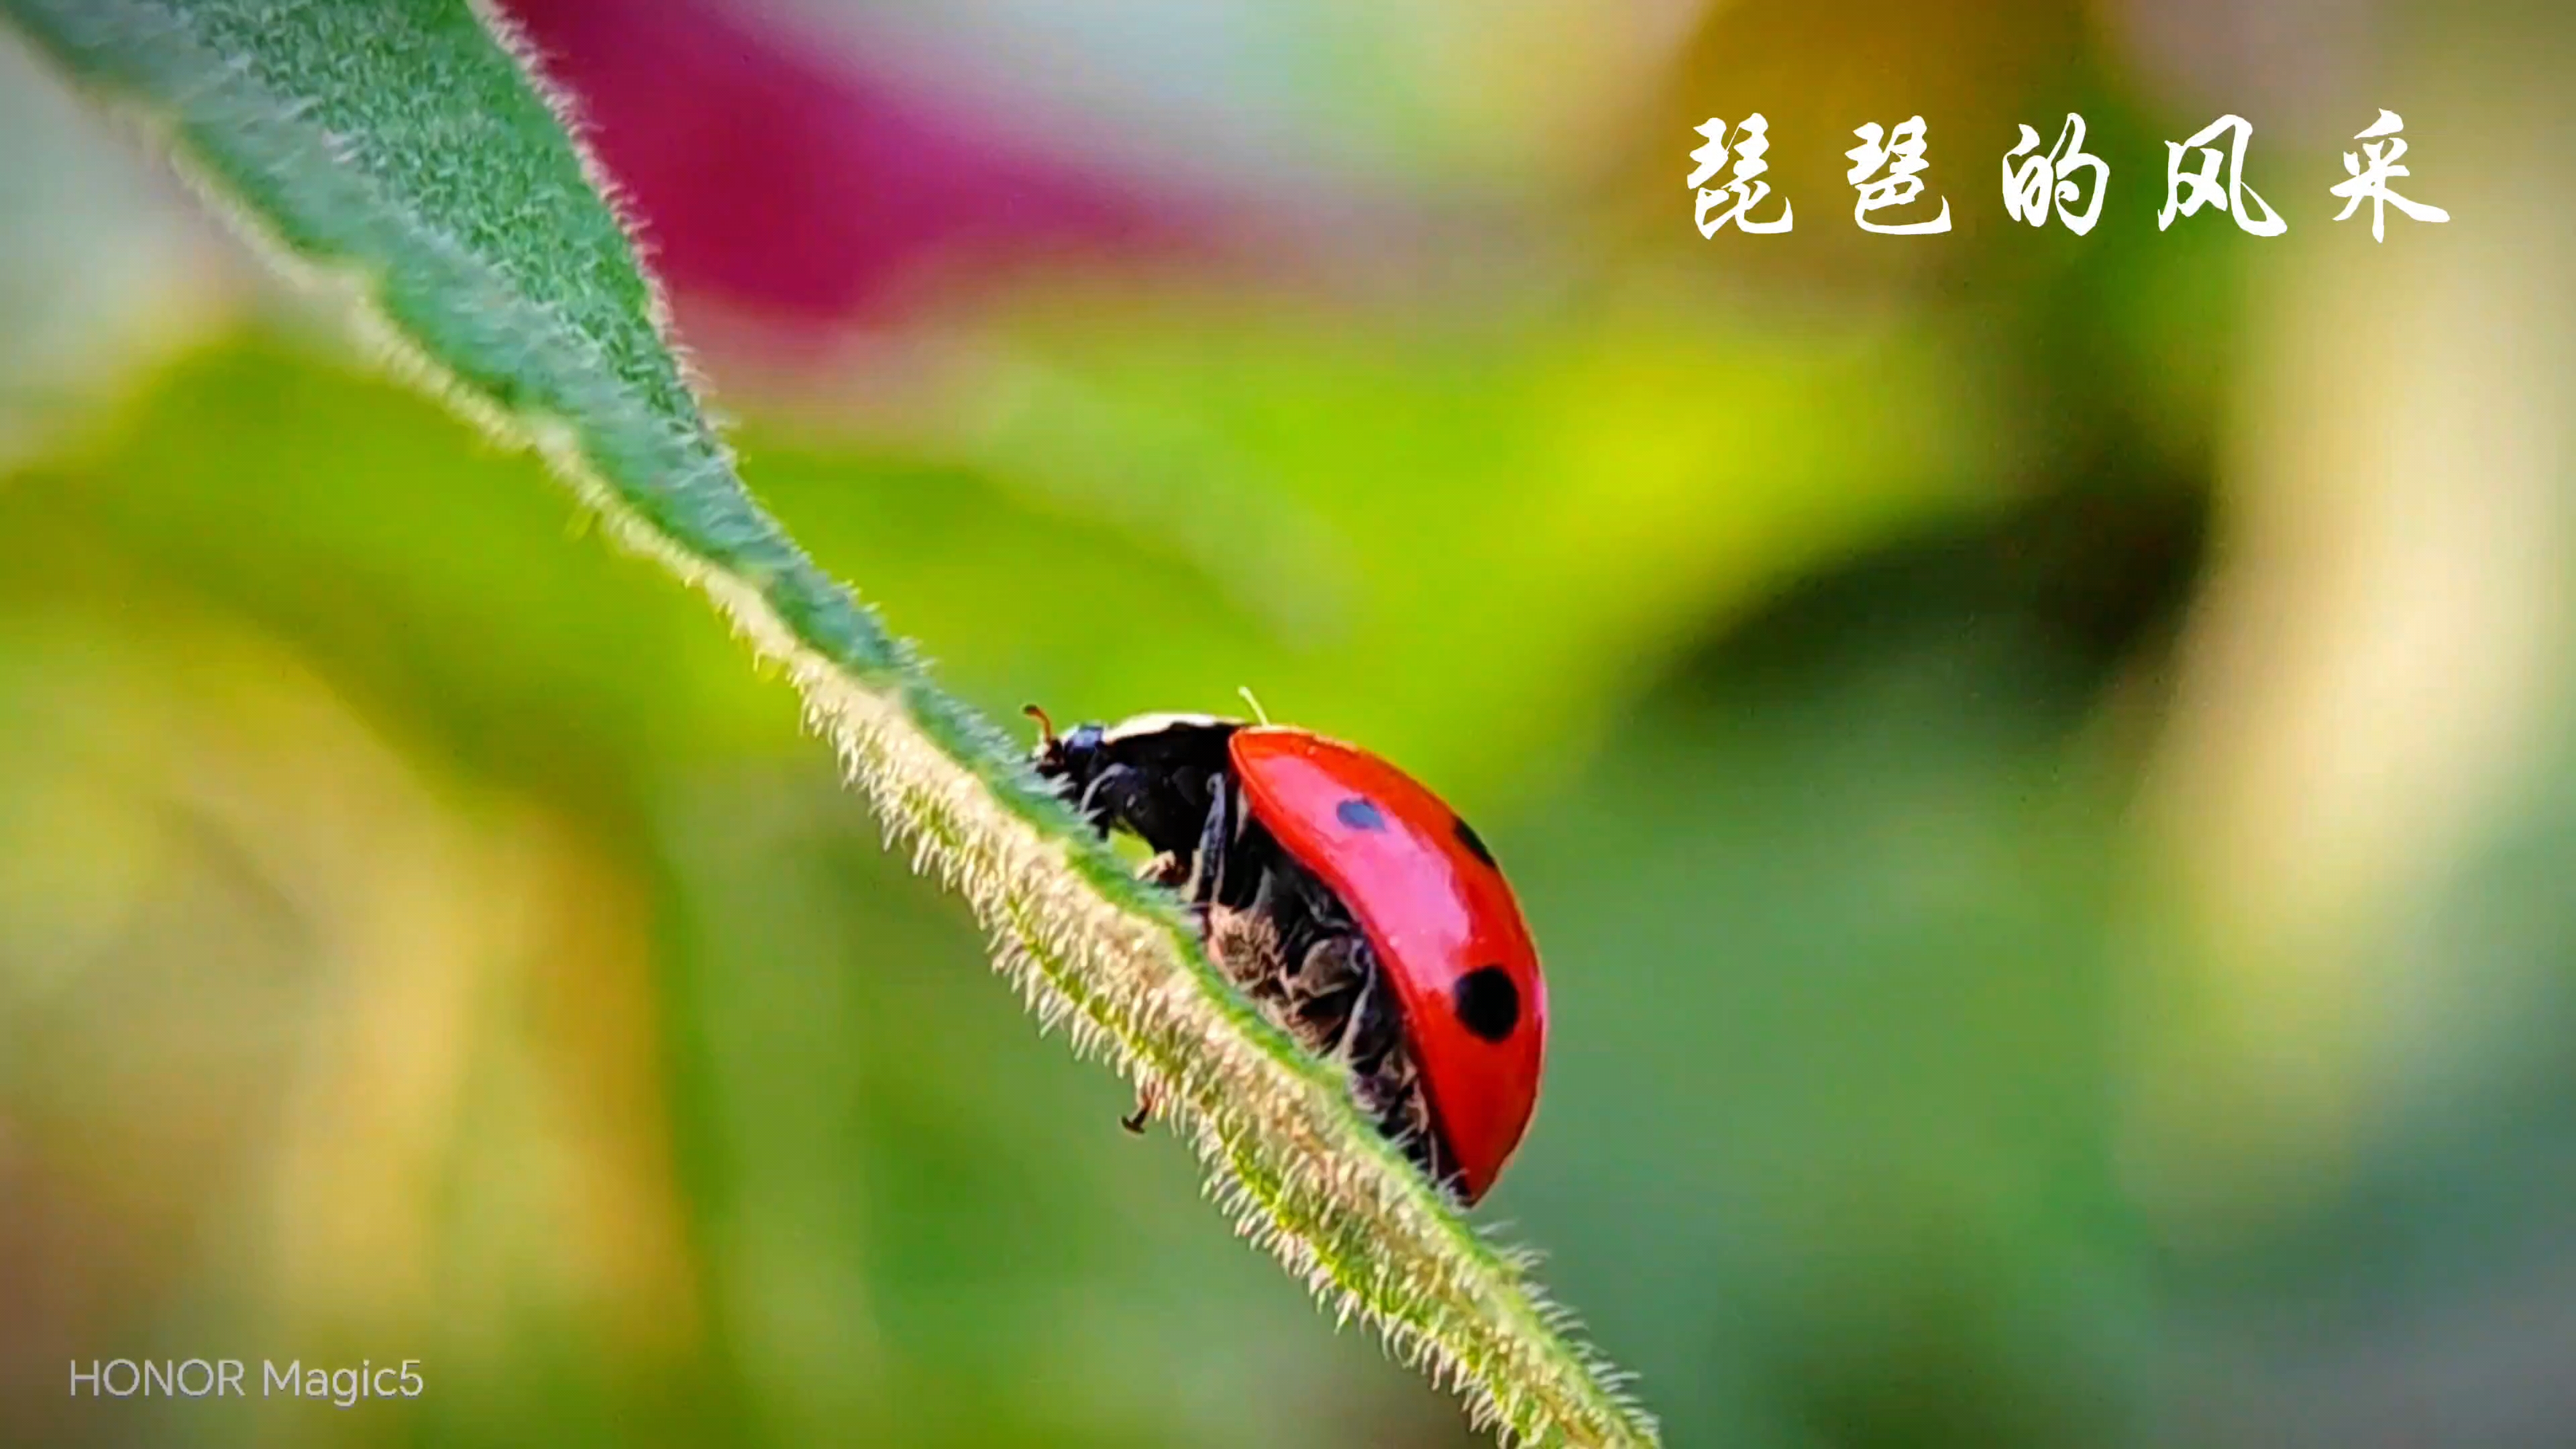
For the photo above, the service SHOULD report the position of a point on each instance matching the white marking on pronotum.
(1145, 724)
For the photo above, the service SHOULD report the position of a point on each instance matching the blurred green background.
(2037, 764)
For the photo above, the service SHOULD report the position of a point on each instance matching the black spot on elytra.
(1468, 837)
(1489, 1005)
(1359, 814)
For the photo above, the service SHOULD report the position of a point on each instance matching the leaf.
(394, 152)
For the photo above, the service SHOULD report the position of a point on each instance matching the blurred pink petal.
(797, 188)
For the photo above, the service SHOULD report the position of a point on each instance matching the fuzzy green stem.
(398, 153)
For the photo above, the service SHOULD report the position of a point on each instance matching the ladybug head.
(1151, 775)
(1068, 761)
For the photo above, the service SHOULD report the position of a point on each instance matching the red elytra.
(1438, 913)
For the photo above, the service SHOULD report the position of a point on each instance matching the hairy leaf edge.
(1069, 927)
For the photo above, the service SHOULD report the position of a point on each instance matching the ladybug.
(1354, 907)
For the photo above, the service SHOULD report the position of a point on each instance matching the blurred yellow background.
(2037, 763)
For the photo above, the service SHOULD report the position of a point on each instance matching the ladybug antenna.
(1046, 727)
(1258, 712)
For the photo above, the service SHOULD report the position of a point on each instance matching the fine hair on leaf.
(404, 155)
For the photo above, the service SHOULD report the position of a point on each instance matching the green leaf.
(394, 152)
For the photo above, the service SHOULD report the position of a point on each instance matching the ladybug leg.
(1164, 870)
(1106, 801)
(1246, 947)
(1208, 864)
(1081, 801)
(1371, 1028)
(1385, 1081)
(1329, 974)
(1148, 1102)
(1320, 993)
